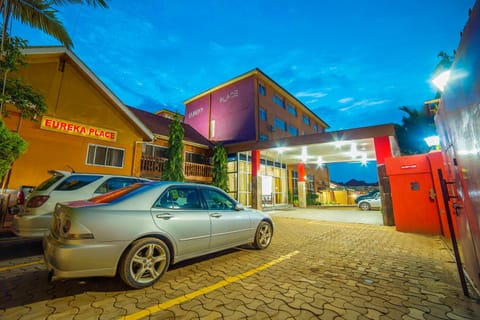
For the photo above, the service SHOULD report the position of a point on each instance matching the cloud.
(365, 103)
(345, 100)
(303, 94)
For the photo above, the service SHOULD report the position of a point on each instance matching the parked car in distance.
(371, 194)
(15, 196)
(138, 231)
(371, 203)
(33, 219)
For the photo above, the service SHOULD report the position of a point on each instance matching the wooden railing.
(152, 167)
(197, 171)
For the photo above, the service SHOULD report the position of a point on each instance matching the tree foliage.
(220, 177)
(414, 129)
(15, 91)
(11, 147)
(42, 15)
(173, 168)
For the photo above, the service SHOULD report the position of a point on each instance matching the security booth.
(416, 194)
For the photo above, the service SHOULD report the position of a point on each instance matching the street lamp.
(433, 142)
(441, 80)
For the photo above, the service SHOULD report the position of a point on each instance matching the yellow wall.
(71, 96)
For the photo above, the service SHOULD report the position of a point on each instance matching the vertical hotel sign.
(77, 129)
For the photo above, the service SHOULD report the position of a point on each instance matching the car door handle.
(215, 215)
(165, 216)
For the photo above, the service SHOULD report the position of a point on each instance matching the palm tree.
(39, 14)
(414, 128)
(42, 15)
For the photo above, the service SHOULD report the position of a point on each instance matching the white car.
(371, 203)
(33, 219)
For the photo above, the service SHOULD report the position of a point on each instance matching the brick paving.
(342, 271)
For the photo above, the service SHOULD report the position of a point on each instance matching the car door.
(229, 226)
(180, 212)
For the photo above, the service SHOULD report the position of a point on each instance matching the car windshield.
(117, 194)
(49, 182)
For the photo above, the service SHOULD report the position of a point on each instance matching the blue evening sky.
(352, 62)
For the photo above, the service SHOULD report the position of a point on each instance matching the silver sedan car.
(138, 231)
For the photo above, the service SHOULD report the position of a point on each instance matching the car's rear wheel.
(364, 206)
(263, 236)
(144, 263)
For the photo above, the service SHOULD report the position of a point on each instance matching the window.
(261, 89)
(263, 114)
(295, 182)
(292, 109)
(279, 100)
(196, 158)
(75, 182)
(217, 201)
(105, 156)
(155, 151)
(180, 198)
(306, 119)
(310, 183)
(116, 183)
(292, 130)
(315, 127)
(280, 124)
(263, 137)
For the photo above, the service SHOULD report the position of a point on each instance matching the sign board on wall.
(77, 129)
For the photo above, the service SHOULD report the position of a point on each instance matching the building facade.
(88, 129)
(252, 108)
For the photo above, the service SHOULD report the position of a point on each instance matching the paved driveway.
(337, 214)
(312, 270)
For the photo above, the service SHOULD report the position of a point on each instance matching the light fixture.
(440, 81)
(432, 141)
(304, 154)
(364, 161)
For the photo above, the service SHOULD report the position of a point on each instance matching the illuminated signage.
(232, 94)
(77, 129)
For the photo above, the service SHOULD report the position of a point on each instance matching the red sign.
(70, 127)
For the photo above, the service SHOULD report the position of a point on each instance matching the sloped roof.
(160, 126)
(58, 51)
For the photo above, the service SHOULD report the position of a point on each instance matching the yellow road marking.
(170, 303)
(17, 266)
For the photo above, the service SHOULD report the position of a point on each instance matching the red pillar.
(383, 148)
(256, 181)
(301, 172)
(302, 187)
(255, 162)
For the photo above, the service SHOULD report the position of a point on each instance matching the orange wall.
(71, 96)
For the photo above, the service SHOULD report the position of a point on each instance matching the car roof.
(69, 173)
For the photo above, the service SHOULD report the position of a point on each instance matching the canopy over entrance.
(353, 145)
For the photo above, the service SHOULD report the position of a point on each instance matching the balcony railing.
(152, 167)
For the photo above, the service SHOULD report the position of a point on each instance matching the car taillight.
(20, 197)
(69, 233)
(36, 201)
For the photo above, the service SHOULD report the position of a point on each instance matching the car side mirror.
(239, 207)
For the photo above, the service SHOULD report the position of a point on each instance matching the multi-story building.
(252, 108)
(89, 129)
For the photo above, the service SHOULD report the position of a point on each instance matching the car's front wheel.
(263, 236)
(144, 263)
(364, 206)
